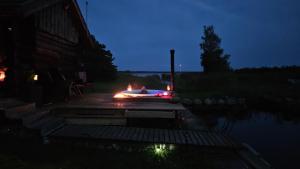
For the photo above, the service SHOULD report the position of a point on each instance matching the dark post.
(172, 51)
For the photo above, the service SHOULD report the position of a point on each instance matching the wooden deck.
(117, 113)
(145, 135)
(160, 106)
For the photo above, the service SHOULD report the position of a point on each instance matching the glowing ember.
(168, 88)
(129, 88)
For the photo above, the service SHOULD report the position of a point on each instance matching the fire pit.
(144, 93)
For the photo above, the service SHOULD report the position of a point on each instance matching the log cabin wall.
(44, 35)
(3, 47)
(24, 34)
(57, 39)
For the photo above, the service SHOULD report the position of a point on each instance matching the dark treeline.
(98, 63)
(213, 58)
(282, 69)
(256, 70)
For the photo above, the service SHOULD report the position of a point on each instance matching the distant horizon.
(270, 67)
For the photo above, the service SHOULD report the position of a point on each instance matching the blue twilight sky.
(140, 33)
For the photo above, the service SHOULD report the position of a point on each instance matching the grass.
(236, 84)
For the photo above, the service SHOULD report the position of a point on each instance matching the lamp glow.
(160, 149)
(36, 77)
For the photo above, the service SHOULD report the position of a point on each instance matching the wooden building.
(41, 36)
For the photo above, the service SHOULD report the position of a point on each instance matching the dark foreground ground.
(32, 154)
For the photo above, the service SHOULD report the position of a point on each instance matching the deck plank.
(192, 137)
(156, 136)
(166, 136)
(178, 137)
(151, 135)
(114, 132)
(210, 138)
(129, 133)
(218, 139)
(135, 134)
(148, 135)
(100, 132)
(171, 137)
(144, 135)
(161, 136)
(198, 139)
(200, 135)
(182, 136)
(189, 138)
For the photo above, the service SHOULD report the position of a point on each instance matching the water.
(145, 74)
(276, 136)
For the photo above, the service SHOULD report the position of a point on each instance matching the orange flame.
(168, 88)
(129, 88)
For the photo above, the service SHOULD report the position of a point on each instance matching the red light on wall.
(2, 74)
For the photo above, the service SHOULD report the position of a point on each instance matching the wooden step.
(34, 116)
(150, 114)
(114, 121)
(47, 125)
(9, 102)
(52, 126)
(39, 123)
(88, 112)
(18, 111)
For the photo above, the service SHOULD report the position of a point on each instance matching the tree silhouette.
(99, 63)
(212, 57)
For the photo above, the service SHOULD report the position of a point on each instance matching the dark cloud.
(140, 33)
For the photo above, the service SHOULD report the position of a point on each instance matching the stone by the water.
(197, 101)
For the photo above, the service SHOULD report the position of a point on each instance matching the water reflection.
(225, 121)
(270, 133)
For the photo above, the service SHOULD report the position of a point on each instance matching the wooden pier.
(55, 126)
(117, 113)
(145, 135)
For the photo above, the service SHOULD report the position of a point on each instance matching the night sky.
(140, 33)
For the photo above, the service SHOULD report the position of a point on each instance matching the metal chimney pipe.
(172, 51)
